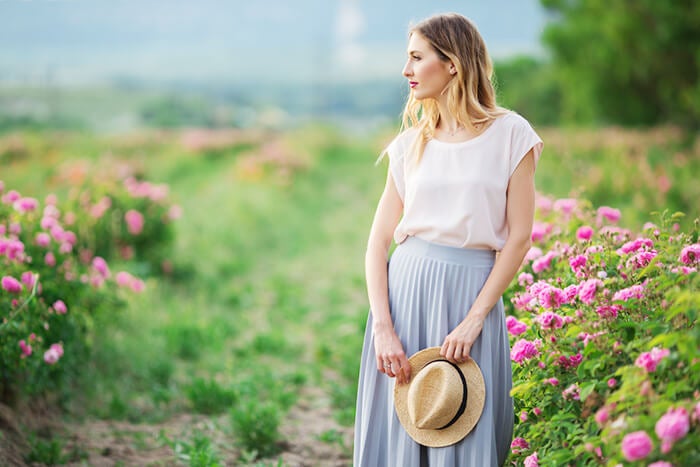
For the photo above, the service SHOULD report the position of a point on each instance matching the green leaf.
(586, 390)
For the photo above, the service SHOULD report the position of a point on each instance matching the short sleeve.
(523, 138)
(396, 167)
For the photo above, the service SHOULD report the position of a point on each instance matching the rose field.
(197, 297)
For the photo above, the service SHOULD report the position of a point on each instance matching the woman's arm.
(520, 209)
(387, 345)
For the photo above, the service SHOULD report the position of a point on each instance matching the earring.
(453, 71)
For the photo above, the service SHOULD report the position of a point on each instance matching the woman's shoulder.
(401, 142)
(511, 120)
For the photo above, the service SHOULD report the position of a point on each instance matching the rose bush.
(604, 335)
(125, 219)
(55, 280)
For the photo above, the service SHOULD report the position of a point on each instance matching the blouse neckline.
(470, 140)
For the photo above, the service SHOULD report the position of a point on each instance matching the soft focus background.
(213, 163)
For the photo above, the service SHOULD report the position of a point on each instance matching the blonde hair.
(471, 96)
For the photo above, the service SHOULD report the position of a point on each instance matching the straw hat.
(442, 402)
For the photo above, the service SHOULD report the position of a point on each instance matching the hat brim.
(476, 394)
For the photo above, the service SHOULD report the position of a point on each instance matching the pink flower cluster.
(12, 248)
(633, 292)
(11, 285)
(671, 427)
(650, 360)
(532, 460)
(124, 279)
(584, 233)
(518, 445)
(636, 446)
(54, 352)
(134, 221)
(152, 191)
(611, 215)
(514, 326)
(524, 350)
(690, 255)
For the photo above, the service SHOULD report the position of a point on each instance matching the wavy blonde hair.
(471, 96)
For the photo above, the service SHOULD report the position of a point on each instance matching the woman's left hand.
(459, 342)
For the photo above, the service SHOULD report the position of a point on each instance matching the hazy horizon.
(80, 41)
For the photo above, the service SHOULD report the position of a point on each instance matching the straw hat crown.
(443, 401)
(435, 395)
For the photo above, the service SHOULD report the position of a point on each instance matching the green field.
(248, 352)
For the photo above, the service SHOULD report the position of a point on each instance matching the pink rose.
(514, 326)
(602, 416)
(100, 266)
(533, 253)
(584, 233)
(123, 278)
(565, 205)
(649, 360)
(134, 221)
(634, 245)
(545, 262)
(690, 255)
(532, 460)
(572, 392)
(60, 307)
(50, 259)
(52, 355)
(612, 215)
(26, 348)
(673, 425)
(577, 262)
(587, 290)
(11, 285)
(525, 278)
(550, 297)
(550, 320)
(539, 230)
(518, 445)
(636, 446)
(26, 204)
(524, 350)
(553, 381)
(28, 279)
(635, 291)
(661, 464)
(608, 311)
(43, 239)
(11, 196)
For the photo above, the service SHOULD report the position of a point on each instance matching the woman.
(460, 188)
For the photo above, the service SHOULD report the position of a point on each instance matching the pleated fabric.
(431, 288)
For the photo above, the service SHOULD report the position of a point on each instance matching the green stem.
(24, 304)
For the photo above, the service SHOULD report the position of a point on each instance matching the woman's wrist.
(382, 325)
(479, 312)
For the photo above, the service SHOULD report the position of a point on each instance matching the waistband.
(468, 256)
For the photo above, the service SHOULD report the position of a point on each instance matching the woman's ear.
(453, 69)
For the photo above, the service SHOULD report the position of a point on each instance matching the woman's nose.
(407, 70)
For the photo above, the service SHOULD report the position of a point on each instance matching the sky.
(77, 41)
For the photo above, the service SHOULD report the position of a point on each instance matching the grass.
(268, 293)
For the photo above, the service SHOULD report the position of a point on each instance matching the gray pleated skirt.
(431, 288)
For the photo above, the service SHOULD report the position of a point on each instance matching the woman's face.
(427, 75)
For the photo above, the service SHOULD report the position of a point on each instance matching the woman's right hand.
(391, 358)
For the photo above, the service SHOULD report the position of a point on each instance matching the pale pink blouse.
(456, 195)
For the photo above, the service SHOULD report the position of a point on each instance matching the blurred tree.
(626, 61)
(527, 85)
